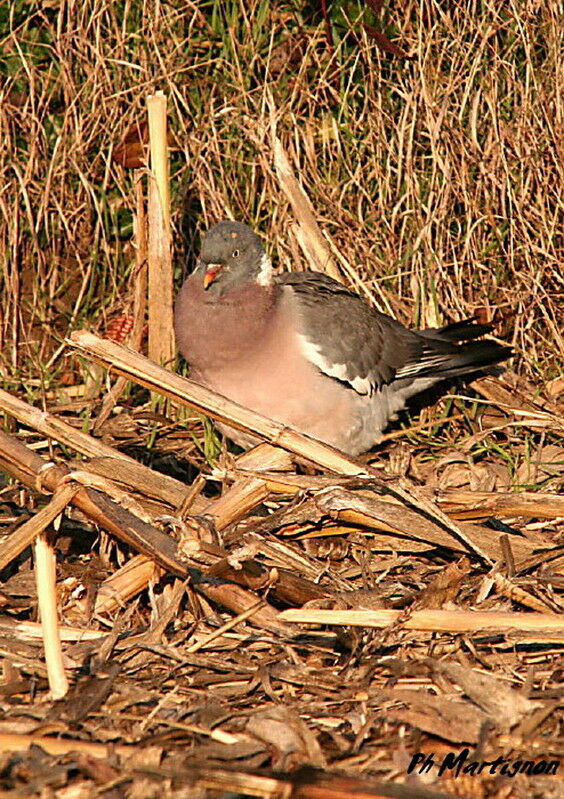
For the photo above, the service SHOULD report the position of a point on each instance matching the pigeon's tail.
(453, 350)
(471, 357)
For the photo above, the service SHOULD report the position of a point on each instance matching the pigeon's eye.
(235, 254)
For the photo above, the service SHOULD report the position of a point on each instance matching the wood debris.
(291, 612)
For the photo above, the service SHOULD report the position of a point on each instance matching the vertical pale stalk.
(161, 331)
(45, 576)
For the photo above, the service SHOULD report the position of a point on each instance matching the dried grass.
(428, 138)
(439, 177)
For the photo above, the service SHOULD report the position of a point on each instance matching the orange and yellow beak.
(211, 273)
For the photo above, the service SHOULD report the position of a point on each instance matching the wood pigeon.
(306, 351)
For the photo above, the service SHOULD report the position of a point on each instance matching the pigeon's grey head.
(231, 255)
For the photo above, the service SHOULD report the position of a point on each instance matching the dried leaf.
(504, 705)
(132, 151)
(449, 719)
(294, 743)
(383, 42)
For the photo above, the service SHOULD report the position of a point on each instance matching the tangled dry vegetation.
(285, 622)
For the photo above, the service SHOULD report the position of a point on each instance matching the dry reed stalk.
(141, 479)
(241, 497)
(239, 783)
(401, 521)
(23, 536)
(246, 492)
(263, 458)
(458, 504)
(545, 556)
(132, 578)
(447, 621)
(506, 588)
(315, 785)
(40, 475)
(513, 395)
(161, 332)
(179, 389)
(286, 584)
(17, 742)
(167, 612)
(46, 577)
(419, 518)
(241, 601)
(32, 631)
(50, 425)
(307, 231)
(107, 461)
(377, 511)
(461, 504)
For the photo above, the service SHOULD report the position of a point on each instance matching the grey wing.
(346, 338)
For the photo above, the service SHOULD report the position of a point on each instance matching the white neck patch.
(264, 277)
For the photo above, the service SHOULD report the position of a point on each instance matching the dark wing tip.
(465, 330)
